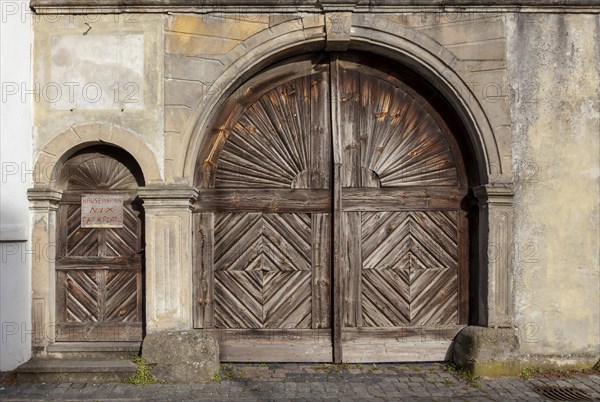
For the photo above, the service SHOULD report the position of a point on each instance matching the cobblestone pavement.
(278, 382)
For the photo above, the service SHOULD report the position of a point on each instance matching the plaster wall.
(98, 71)
(556, 160)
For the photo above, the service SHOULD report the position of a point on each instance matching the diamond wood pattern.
(262, 266)
(101, 296)
(99, 270)
(410, 267)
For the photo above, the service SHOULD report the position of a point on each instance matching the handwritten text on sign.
(101, 211)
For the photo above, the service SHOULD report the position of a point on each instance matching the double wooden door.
(328, 223)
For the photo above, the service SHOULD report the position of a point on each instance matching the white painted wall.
(15, 162)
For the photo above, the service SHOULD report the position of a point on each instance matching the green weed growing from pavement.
(228, 371)
(142, 375)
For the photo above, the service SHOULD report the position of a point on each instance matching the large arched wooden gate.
(329, 224)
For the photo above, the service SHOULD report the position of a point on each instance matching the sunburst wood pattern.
(269, 146)
(98, 172)
(410, 268)
(400, 142)
(262, 266)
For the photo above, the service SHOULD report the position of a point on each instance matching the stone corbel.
(168, 222)
(495, 253)
(42, 253)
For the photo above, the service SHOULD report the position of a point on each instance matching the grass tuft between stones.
(142, 375)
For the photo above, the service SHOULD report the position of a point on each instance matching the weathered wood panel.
(321, 270)
(266, 200)
(275, 345)
(269, 145)
(99, 270)
(410, 268)
(402, 199)
(399, 200)
(351, 269)
(401, 144)
(263, 274)
(338, 228)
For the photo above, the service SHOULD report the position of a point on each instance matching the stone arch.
(58, 150)
(369, 33)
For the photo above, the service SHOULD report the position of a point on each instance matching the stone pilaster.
(43, 204)
(168, 223)
(495, 253)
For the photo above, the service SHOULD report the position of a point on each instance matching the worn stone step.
(93, 350)
(71, 371)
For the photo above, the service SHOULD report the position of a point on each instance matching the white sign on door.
(102, 211)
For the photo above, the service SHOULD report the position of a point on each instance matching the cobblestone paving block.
(280, 382)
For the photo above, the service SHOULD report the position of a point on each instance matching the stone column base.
(487, 352)
(182, 357)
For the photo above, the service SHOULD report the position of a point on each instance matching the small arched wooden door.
(330, 221)
(99, 269)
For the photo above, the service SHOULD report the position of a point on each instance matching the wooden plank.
(349, 127)
(237, 351)
(272, 345)
(300, 335)
(87, 263)
(351, 263)
(402, 199)
(393, 351)
(336, 132)
(61, 296)
(320, 139)
(98, 332)
(263, 200)
(338, 269)
(407, 333)
(321, 270)
(101, 279)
